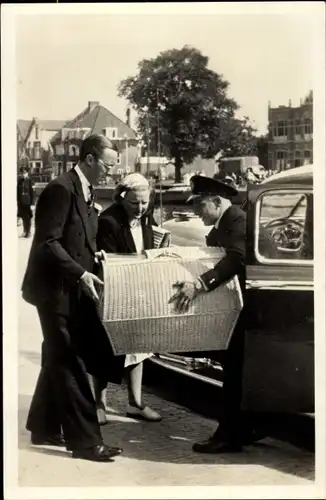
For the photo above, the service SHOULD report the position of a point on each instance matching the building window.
(281, 129)
(307, 154)
(37, 149)
(298, 159)
(307, 126)
(298, 127)
(281, 155)
(281, 160)
(118, 158)
(73, 150)
(59, 150)
(36, 132)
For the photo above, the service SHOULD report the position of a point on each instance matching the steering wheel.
(283, 220)
(287, 233)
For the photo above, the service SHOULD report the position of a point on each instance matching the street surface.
(155, 454)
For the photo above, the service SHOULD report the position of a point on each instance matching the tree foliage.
(238, 138)
(183, 106)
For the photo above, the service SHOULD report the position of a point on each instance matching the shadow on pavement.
(170, 441)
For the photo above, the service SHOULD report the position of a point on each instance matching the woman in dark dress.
(126, 227)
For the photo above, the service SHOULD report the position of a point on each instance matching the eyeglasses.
(106, 165)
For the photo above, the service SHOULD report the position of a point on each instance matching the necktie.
(90, 201)
(91, 196)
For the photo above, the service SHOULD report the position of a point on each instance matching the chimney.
(92, 105)
(290, 103)
(128, 117)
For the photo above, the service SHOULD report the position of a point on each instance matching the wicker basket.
(135, 310)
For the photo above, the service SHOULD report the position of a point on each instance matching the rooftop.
(97, 117)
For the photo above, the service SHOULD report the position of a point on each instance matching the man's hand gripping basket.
(137, 316)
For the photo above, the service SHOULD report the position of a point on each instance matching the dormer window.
(110, 132)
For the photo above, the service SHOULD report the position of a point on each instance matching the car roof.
(294, 176)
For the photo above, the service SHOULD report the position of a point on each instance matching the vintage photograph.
(163, 173)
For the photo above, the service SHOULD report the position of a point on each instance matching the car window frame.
(276, 262)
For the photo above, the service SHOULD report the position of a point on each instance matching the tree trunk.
(178, 167)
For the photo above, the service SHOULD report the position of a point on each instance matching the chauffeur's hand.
(87, 282)
(187, 291)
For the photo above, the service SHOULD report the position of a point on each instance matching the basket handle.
(167, 253)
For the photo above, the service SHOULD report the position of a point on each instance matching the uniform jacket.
(230, 235)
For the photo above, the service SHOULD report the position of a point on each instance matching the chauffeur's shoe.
(212, 445)
(54, 440)
(99, 453)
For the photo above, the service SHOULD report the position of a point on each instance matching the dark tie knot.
(91, 195)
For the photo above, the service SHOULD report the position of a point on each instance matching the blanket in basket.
(134, 304)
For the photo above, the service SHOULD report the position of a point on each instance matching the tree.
(238, 139)
(182, 106)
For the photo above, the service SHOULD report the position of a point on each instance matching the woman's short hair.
(94, 145)
(132, 182)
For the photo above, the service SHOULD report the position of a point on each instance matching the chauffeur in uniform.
(212, 203)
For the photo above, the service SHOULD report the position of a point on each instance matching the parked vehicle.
(279, 351)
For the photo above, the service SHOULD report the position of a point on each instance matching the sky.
(64, 61)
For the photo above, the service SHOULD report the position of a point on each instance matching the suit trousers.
(63, 398)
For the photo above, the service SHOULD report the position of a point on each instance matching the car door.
(279, 350)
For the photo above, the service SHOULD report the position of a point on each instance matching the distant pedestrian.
(25, 201)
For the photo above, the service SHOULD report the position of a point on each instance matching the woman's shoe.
(101, 415)
(145, 413)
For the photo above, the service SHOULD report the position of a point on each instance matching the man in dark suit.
(61, 283)
(25, 200)
(212, 203)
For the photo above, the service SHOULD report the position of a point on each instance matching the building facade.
(94, 119)
(290, 136)
(33, 143)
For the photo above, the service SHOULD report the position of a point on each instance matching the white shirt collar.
(225, 204)
(84, 182)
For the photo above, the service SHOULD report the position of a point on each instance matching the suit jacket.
(114, 235)
(231, 235)
(63, 246)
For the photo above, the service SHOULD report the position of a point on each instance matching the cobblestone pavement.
(155, 454)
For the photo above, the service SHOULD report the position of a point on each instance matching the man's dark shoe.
(99, 453)
(55, 440)
(214, 446)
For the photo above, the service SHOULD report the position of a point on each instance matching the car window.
(284, 226)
